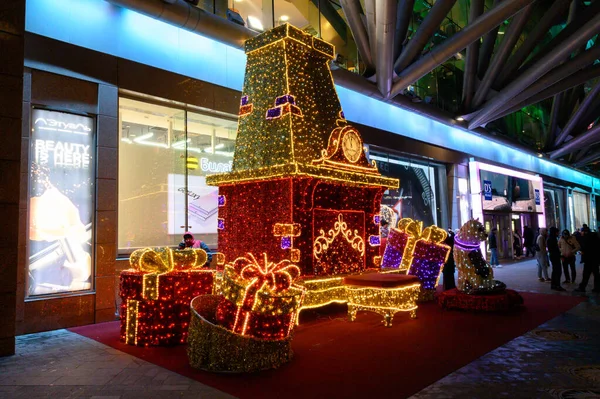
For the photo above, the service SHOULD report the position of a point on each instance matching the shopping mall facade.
(119, 117)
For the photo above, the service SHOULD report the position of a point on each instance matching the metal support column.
(352, 9)
(386, 22)
(501, 55)
(536, 71)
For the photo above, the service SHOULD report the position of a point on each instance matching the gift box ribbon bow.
(165, 260)
(269, 277)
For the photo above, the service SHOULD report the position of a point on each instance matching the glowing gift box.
(156, 294)
(260, 298)
(400, 244)
(428, 258)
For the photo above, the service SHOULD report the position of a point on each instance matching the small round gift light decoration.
(248, 327)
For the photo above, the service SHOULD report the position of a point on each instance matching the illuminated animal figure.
(475, 275)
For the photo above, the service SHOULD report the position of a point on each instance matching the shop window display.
(164, 155)
(553, 206)
(416, 196)
(581, 209)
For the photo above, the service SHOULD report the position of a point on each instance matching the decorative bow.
(155, 262)
(268, 277)
(165, 260)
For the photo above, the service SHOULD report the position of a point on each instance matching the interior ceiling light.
(460, 118)
(284, 18)
(255, 23)
(143, 137)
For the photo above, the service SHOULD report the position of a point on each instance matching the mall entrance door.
(503, 235)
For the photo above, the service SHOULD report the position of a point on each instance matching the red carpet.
(338, 359)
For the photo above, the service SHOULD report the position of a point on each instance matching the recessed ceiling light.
(284, 18)
(460, 119)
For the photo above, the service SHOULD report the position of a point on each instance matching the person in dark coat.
(590, 257)
(528, 241)
(554, 255)
(449, 266)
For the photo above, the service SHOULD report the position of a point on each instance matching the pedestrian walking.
(569, 247)
(554, 255)
(541, 253)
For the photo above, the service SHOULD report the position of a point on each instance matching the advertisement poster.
(202, 209)
(61, 202)
(509, 193)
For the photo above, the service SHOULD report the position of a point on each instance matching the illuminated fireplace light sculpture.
(301, 187)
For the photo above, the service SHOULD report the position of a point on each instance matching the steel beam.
(586, 160)
(386, 22)
(471, 60)
(533, 38)
(352, 9)
(587, 14)
(581, 154)
(501, 55)
(556, 106)
(576, 117)
(424, 33)
(487, 49)
(472, 32)
(565, 84)
(585, 139)
(183, 15)
(538, 70)
(403, 16)
(551, 78)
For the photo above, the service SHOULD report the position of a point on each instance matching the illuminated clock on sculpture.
(352, 146)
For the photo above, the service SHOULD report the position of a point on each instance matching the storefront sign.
(537, 196)
(61, 202)
(487, 190)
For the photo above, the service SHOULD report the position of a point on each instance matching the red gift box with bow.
(156, 293)
(260, 298)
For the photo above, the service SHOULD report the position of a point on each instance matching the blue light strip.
(100, 26)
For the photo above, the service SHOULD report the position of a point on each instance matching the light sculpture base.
(214, 348)
(385, 294)
(501, 302)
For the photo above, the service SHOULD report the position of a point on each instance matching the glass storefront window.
(581, 209)
(417, 196)
(554, 207)
(256, 15)
(164, 155)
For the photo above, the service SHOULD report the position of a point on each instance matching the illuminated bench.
(385, 294)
